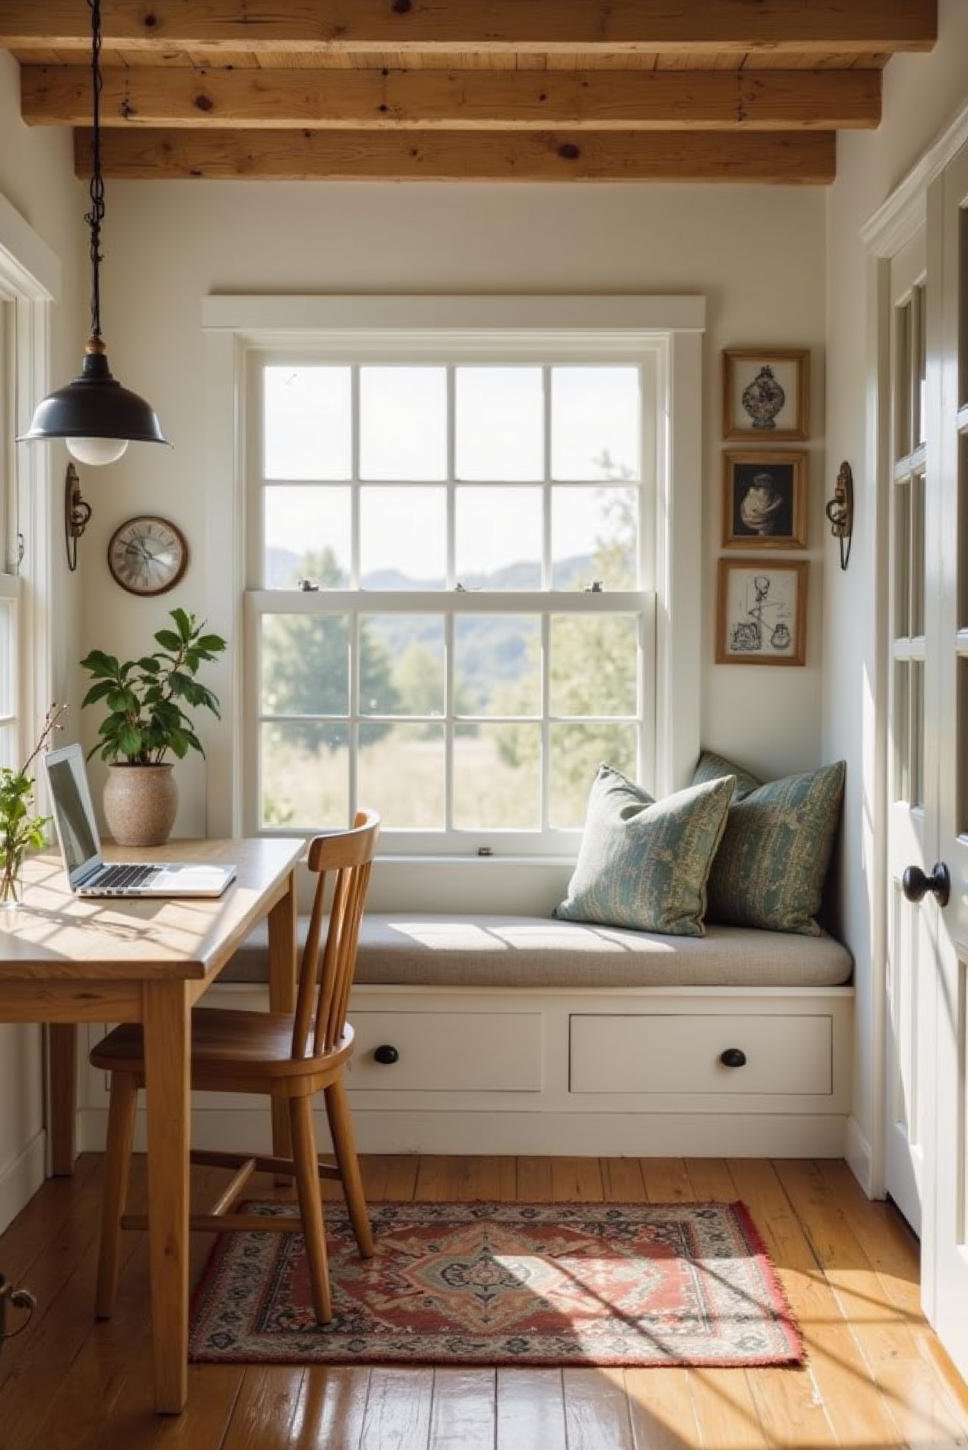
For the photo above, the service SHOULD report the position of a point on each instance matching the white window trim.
(30, 279)
(667, 328)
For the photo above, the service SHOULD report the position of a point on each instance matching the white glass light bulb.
(96, 451)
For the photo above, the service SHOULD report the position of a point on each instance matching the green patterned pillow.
(713, 767)
(769, 871)
(644, 863)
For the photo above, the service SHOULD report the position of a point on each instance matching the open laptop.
(80, 845)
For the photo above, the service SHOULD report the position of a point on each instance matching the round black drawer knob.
(386, 1055)
(733, 1057)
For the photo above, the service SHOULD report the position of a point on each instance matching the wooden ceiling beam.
(464, 26)
(800, 158)
(457, 100)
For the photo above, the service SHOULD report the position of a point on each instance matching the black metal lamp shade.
(95, 405)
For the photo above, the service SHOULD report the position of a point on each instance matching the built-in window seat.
(424, 949)
(493, 1033)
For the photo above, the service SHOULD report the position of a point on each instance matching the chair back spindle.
(330, 960)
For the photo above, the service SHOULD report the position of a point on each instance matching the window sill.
(471, 859)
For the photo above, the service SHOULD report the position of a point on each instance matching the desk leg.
(167, 1050)
(282, 997)
(62, 1068)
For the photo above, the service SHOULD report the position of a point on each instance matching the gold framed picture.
(766, 394)
(765, 500)
(761, 616)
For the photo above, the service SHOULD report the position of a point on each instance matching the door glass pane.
(305, 664)
(594, 664)
(595, 428)
(497, 774)
(902, 380)
(917, 555)
(961, 738)
(403, 422)
(305, 774)
(961, 524)
(403, 538)
(497, 664)
(499, 420)
(963, 306)
(498, 538)
(901, 559)
(576, 753)
(916, 687)
(901, 733)
(307, 422)
(307, 536)
(594, 536)
(401, 774)
(919, 362)
(401, 664)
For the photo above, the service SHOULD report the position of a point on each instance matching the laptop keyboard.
(123, 878)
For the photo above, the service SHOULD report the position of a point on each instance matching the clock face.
(147, 555)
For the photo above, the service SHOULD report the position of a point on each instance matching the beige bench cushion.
(418, 949)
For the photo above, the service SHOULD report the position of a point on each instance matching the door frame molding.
(895, 222)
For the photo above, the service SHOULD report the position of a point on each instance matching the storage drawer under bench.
(669, 1053)
(447, 1051)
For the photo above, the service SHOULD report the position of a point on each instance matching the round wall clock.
(147, 555)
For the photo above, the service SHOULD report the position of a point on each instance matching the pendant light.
(94, 413)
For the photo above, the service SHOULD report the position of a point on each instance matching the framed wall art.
(764, 500)
(766, 394)
(761, 617)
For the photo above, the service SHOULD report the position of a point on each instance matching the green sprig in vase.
(20, 829)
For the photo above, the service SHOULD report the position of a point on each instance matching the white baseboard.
(698, 1135)
(857, 1151)
(21, 1178)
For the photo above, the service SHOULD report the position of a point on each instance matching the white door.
(910, 977)
(946, 1246)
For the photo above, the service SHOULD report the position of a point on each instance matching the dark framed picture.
(761, 612)
(764, 500)
(766, 394)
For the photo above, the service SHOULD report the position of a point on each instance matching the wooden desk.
(66, 959)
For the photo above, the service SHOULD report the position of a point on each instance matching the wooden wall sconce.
(77, 514)
(840, 512)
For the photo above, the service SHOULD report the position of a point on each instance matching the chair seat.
(227, 1044)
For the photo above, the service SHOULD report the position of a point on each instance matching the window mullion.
(353, 723)
(451, 515)
(449, 720)
(355, 548)
(545, 727)
(546, 580)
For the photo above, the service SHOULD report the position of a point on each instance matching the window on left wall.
(10, 621)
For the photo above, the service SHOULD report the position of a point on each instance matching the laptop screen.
(71, 802)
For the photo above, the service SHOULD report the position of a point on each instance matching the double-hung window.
(10, 742)
(450, 591)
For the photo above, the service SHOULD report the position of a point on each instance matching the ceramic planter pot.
(140, 802)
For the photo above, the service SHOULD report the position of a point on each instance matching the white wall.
(921, 92)
(757, 253)
(36, 176)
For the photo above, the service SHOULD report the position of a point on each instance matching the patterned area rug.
(499, 1284)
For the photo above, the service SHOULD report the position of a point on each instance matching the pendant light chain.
(95, 216)
(94, 414)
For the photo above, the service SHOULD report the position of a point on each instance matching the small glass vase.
(11, 885)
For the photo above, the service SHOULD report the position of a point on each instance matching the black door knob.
(733, 1057)
(386, 1055)
(916, 885)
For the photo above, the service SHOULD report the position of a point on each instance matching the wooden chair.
(290, 1057)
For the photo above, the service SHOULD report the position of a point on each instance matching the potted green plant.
(21, 830)
(148, 701)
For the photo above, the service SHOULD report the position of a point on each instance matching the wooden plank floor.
(876, 1377)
